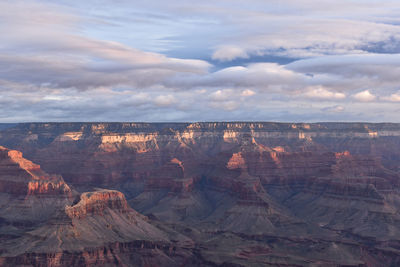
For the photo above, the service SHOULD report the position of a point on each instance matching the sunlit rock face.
(96, 203)
(271, 191)
(43, 222)
(24, 179)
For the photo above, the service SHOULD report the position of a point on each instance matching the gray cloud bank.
(153, 61)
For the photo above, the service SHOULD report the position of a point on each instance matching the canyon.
(200, 194)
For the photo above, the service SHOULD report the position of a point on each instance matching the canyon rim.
(200, 194)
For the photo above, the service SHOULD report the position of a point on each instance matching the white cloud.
(334, 109)
(43, 46)
(221, 95)
(393, 97)
(322, 93)
(165, 100)
(267, 76)
(60, 61)
(364, 96)
(229, 53)
(248, 92)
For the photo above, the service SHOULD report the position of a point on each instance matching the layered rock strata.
(323, 194)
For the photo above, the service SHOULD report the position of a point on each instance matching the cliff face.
(332, 186)
(43, 222)
(24, 188)
(113, 152)
(96, 203)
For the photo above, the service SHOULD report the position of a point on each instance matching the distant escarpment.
(207, 194)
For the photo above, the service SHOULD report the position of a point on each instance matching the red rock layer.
(136, 253)
(95, 203)
(331, 181)
(19, 176)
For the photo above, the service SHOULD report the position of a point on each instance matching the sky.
(224, 60)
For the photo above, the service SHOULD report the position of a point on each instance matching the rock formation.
(205, 194)
(45, 223)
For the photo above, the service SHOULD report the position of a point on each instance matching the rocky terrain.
(200, 194)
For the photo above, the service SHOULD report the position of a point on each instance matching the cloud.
(351, 74)
(164, 100)
(364, 96)
(393, 97)
(323, 94)
(268, 76)
(227, 105)
(229, 53)
(221, 95)
(334, 109)
(208, 60)
(231, 29)
(301, 29)
(248, 92)
(42, 47)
